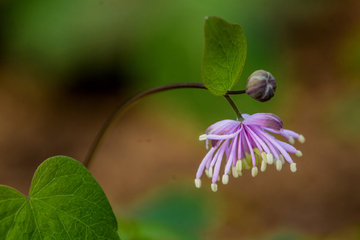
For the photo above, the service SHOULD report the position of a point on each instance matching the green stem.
(130, 102)
(236, 92)
(236, 110)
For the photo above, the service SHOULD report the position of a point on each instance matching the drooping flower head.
(246, 144)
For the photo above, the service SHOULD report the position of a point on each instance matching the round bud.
(261, 86)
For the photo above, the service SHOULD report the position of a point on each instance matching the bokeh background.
(66, 65)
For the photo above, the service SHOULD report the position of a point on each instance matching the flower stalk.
(131, 101)
(236, 110)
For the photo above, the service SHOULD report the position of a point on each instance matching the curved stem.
(130, 102)
(236, 110)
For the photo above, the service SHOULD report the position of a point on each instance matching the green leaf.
(65, 202)
(224, 55)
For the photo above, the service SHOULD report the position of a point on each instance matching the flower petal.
(245, 115)
(264, 120)
(204, 162)
(289, 148)
(218, 125)
(218, 160)
(276, 145)
(222, 137)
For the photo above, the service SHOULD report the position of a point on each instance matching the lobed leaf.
(65, 202)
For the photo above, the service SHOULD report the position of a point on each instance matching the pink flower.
(244, 144)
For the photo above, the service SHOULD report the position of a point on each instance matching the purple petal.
(285, 132)
(232, 158)
(227, 129)
(259, 139)
(264, 120)
(289, 148)
(218, 161)
(223, 128)
(213, 161)
(251, 150)
(277, 145)
(245, 115)
(223, 137)
(204, 162)
(289, 133)
(241, 151)
(218, 125)
(258, 142)
(267, 139)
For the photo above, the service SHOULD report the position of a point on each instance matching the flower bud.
(261, 86)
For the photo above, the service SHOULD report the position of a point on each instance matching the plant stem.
(236, 92)
(130, 102)
(236, 110)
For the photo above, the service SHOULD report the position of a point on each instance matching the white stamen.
(263, 155)
(270, 158)
(257, 151)
(247, 167)
(301, 138)
(263, 166)
(248, 156)
(225, 179)
(207, 173)
(238, 166)
(214, 187)
(234, 172)
(254, 171)
(197, 182)
(203, 137)
(282, 159)
(291, 140)
(278, 165)
(293, 167)
(298, 153)
(210, 172)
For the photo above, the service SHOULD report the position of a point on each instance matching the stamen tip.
(254, 171)
(203, 137)
(278, 165)
(263, 166)
(263, 155)
(207, 173)
(214, 187)
(291, 140)
(293, 167)
(301, 139)
(234, 172)
(270, 158)
(210, 172)
(298, 153)
(225, 179)
(238, 166)
(282, 159)
(197, 182)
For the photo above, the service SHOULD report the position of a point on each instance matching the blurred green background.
(66, 65)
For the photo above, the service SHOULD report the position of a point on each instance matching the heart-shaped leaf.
(65, 202)
(224, 55)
